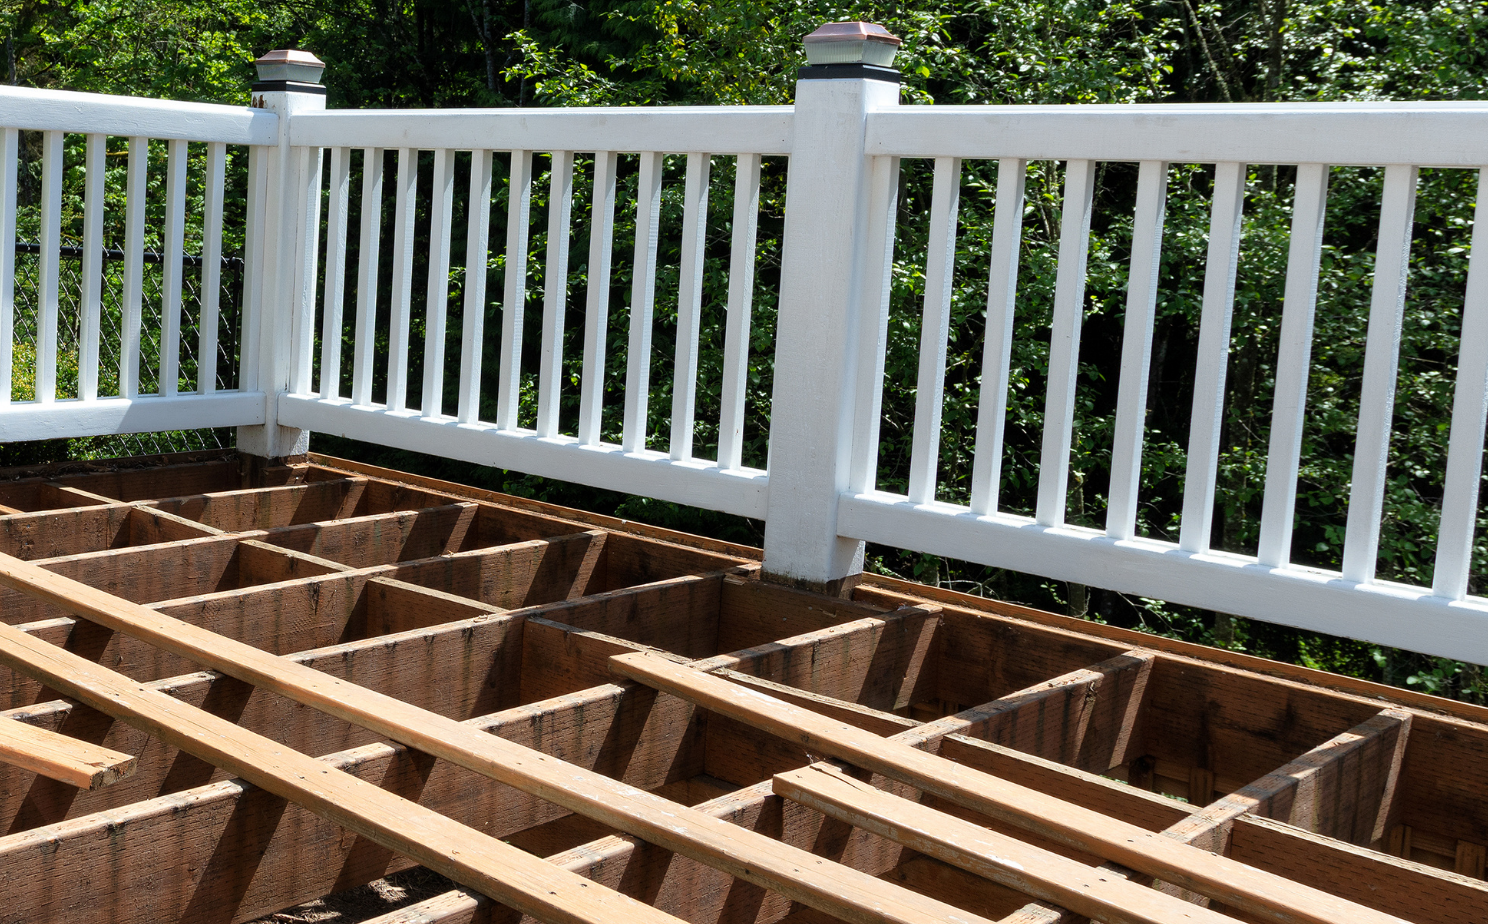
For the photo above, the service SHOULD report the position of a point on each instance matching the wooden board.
(1218, 877)
(58, 757)
(455, 850)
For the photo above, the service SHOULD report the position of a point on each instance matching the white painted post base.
(282, 235)
(825, 302)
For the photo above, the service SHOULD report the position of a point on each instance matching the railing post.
(826, 301)
(282, 238)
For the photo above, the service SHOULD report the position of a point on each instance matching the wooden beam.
(759, 612)
(33, 536)
(1261, 894)
(1002, 859)
(882, 661)
(58, 757)
(1052, 719)
(1341, 789)
(226, 851)
(382, 538)
(464, 854)
(529, 573)
(795, 873)
(267, 508)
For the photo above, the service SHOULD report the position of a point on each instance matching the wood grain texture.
(1119, 841)
(795, 873)
(58, 757)
(455, 850)
(1000, 858)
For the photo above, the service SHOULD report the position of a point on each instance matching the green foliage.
(396, 53)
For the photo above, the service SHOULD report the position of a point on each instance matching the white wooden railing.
(844, 138)
(53, 115)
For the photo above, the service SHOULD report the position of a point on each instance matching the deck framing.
(447, 658)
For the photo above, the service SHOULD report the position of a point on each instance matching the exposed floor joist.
(499, 615)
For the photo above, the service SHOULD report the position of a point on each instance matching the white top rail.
(97, 113)
(679, 129)
(1430, 134)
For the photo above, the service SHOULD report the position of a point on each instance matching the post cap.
(289, 65)
(852, 43)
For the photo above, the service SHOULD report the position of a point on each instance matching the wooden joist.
(58, 757)
(1262, 894)
(1002, 859)
(833, 888)
(464, 854)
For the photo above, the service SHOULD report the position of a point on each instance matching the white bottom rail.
(696, 482)
(146, 414)
(1321, 601)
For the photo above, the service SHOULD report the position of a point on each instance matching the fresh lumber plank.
(478, 659)
(1002, 859)
(1119, 841)
(228, 852)
(462, 853)
(58, 757)
(793, 872)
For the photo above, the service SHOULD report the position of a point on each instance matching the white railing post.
(287, 213)
(825, 301)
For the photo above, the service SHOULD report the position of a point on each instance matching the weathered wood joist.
(829, 887)
(1257, 893)
(481, 657)
(485, 863)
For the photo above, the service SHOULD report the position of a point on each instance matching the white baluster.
(47, 272)
(333, 301)
(1002, 290)
(171, 269)
(10, 148)
(597, 298)
(211, 274)
(513, 306)
(555, 292)
(402, 295)
(367, 259)
(1459, 516)
(689, 303)
(134, 266)
(90, 309)
(1064, 342)
(642, 302)
(477, 253)
(1136, 349)
(1289, 409)
(740, 304)
(1213, 357)
(935, 323)
(437, 306)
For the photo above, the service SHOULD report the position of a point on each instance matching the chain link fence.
(223, 367)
